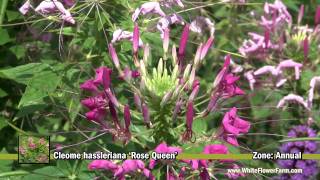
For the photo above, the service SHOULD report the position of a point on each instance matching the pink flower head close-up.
(288, 64)
(103, 164)
(48, 7)
(165, 22)
(200, 24)
(133, 166)
(170, 3)
(314, 83)
(148, 8)
(251, 79)
(293, 98)
(120, 35)
(276, 15)
(226, 81)
(233, 125)
(24, 9)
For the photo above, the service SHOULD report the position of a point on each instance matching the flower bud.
(143, 69)
(146, 53)
(135, 40)
(206, 47)
(194, 93)
(137, 101)
(174, 54)
(96, 115)
(24, 9)
(198, 54)
(160, 67)
(192, 77)
(145, 114)
(166, 98)
(212, 103)
(114, 115)
(127, 116)
(106, 79)
(301, 12)
(89, 86)
(223, 71)
(183, 42)
(166, 40)
(112, 98)
(186, 72)
(306, 47)
(177, 109)
(175, 72)
(114, 56)
(189, 115)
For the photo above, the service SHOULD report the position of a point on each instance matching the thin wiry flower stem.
(264, 134)
(104, 32)
(301, 139)
(275, 120)
(82, 142)
(93, 5)
(23, 23)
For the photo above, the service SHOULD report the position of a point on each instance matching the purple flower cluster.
(104, 102)
(310, 167)
(50, 7)
(276, 74)
(275, 18)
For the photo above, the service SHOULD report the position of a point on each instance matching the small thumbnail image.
(34, 150)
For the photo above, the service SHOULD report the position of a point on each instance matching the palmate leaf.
(39, 86)
(18, 50)
(5, 38)
(48, 172)
(22, 74)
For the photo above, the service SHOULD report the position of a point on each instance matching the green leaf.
(3, 93)
(18, 50)
(260, 113)
(13, 15)
(64, 167)
(48, 172)
(200, 126)
(5, 165)
(23, 111)
(39, 86)
(68, 31)
(22, 74)
(5, 38)
(2, 122)
(89, 43)
(306, 76)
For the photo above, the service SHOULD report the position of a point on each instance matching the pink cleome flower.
(233, 125)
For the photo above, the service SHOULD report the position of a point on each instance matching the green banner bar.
(311, 156)
(186, 156)
(8, 156)
(215, 156)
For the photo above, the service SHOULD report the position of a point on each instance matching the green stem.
(17, 129)
(301, 139)
(3, 10)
